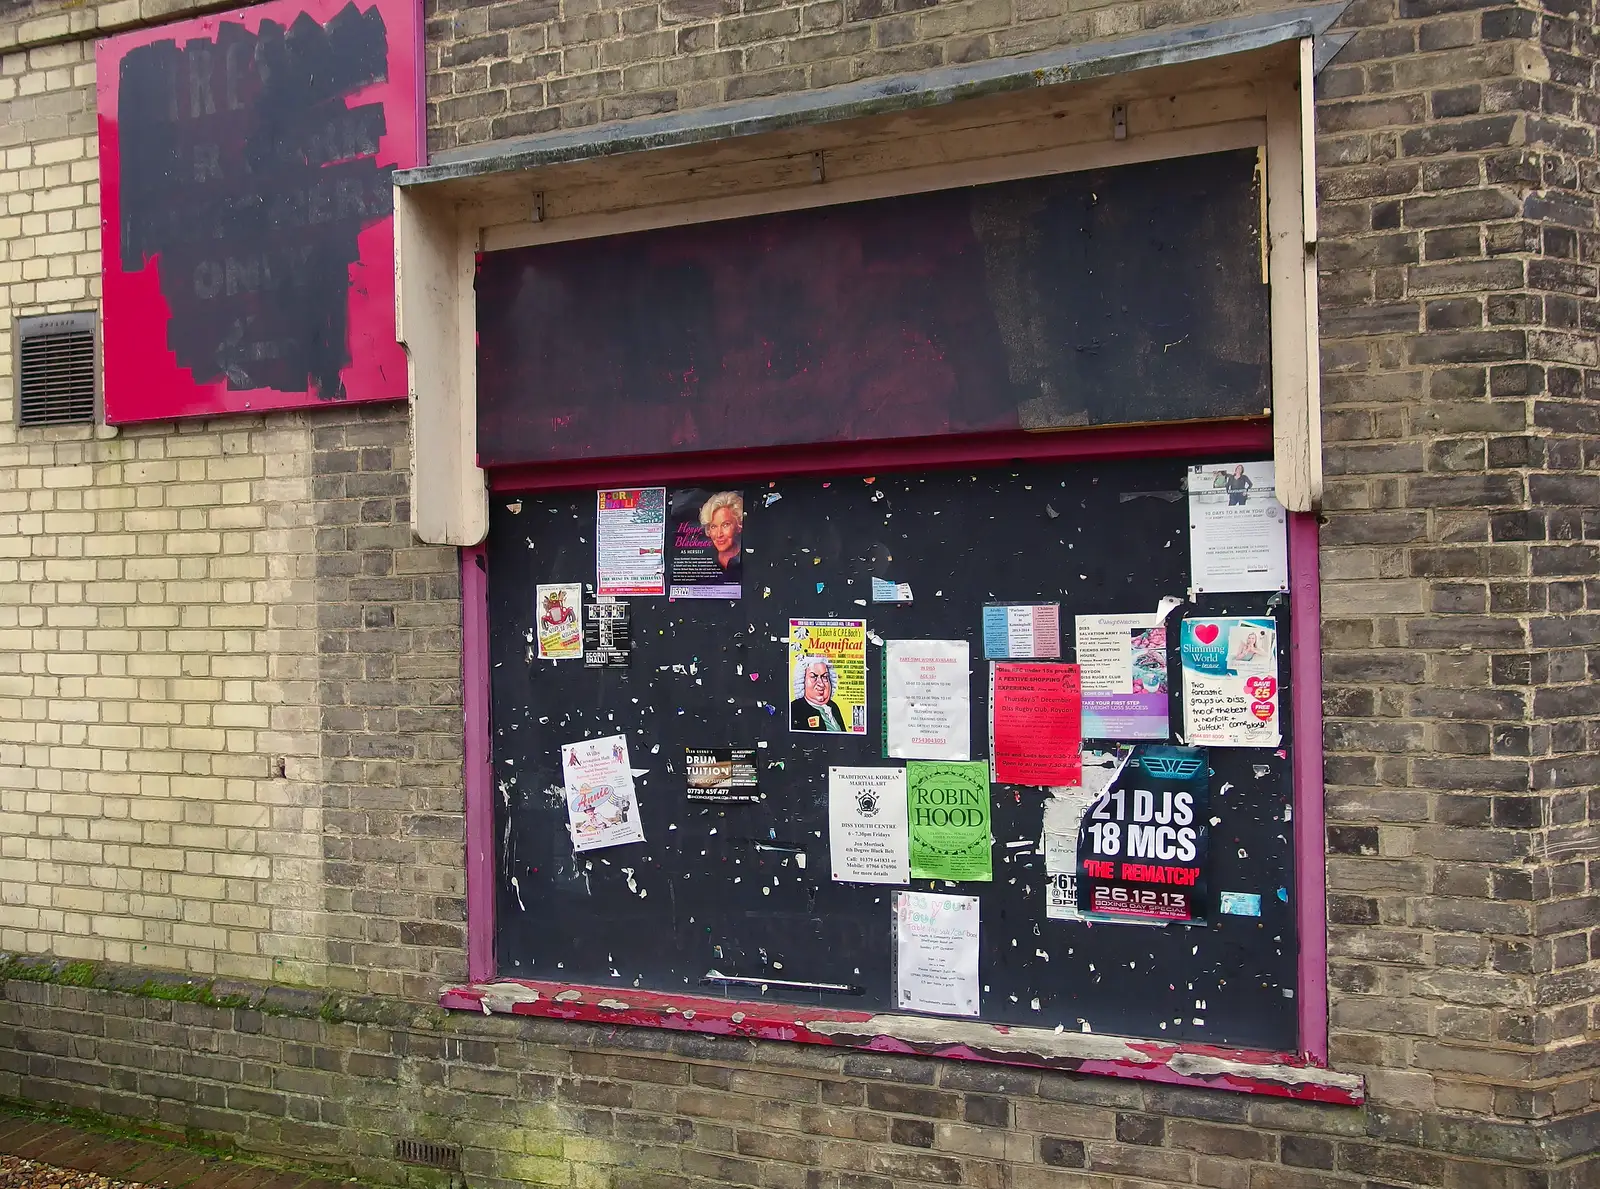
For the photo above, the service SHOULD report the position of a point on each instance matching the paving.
(48, 1154)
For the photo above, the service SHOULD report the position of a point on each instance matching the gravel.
(16, 1173)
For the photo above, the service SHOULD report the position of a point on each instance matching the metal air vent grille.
(422, 1151)
(56, 366)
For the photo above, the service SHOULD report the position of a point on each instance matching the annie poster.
(705, 544)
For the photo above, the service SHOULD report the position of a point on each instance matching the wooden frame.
(1302, 1074)
(1259, 98)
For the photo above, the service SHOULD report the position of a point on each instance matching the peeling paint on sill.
(1280, 1075)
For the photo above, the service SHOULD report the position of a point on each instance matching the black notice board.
(1113, 296)
(699, 894)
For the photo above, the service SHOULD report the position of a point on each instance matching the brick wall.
(543, 1102)
(525, 66)
(182, 606)
(229, 678)
(1458, 180)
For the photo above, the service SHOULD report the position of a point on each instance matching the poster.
(1035, 724)
(927, 699)
(884, 591)
(558, 628)
(1123, 661)
(705, 550)
(948, 808)
(1237, 534)
(936, 953)
(1142, 848)
(1063, 820)
(629, 541)
(1230, 682)
(828, 675)
(602, 809)
(1021, 630)
(721, 774)
(867, 837)
(607, 634)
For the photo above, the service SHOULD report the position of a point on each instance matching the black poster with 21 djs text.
(1142, 846)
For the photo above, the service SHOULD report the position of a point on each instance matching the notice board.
(1112, 296)
(247, 209)
(742, 886)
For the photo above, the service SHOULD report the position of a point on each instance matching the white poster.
(1237, 535)
(1063, 818)
(1105, 661)
(1230, 682)
(630, 556)
(928, 699)
(602, 809)
(868, 837)
(936, 968)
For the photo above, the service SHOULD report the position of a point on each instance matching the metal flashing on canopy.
(881, 96)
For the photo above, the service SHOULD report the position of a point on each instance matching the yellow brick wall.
(158, 665)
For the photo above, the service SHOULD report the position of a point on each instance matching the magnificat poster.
(828, 676)
(1142, 844)
(246, 202)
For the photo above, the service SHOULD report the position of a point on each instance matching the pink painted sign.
(247, 210)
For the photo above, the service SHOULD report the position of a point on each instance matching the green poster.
(948, 806)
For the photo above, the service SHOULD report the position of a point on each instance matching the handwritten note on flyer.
(936, 967)
(1230, 682)
(927, 699)
(1035, 724)
(867, 836)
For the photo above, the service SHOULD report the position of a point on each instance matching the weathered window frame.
(447, 214)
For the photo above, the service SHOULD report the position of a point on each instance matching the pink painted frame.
(755, 1018)
(143, 380)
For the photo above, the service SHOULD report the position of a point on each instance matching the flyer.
(1063, 820)
(629, 541)
(1024, 630)
(1142, 848)
(1230, 682)
(828, 675)
(867, 836)
(705, 545)
(721, 774)
(927, 699)
(1124, 664)
(559, 630)
(607, 634)
(1237, 534)
(602, 809)
(948, 805)
(884, 591)
(936, 953)
(1035, 723)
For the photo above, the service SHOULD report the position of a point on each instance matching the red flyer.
(1035, 724)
